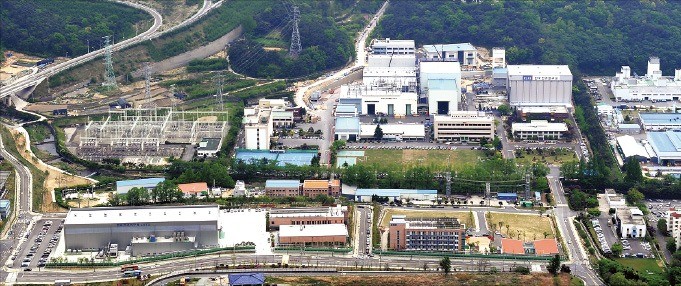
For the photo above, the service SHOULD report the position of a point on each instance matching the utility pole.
(528, 187)
(295, 48)
(488, 195)
(109, 77)
(448, 178)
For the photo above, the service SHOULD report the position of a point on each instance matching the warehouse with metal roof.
(666, 146)
(629, 148)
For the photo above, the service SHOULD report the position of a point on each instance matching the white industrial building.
(440, 82)
(463, 126)
(464, 53)
(390, 99)
(629, 148)
(653, 86)
(630, 223)
(392, 47)
(539, 130)
(346, 128)
(396, 132)
(346, 110)
(382, 76)
(539, 85)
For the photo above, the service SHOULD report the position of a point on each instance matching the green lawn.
(456, 159)
(644, 266)
(546, 157)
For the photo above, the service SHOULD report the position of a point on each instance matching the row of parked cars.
(51, 244)
(601, 237)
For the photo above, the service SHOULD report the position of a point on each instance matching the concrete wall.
(199, 53)
(351, 77)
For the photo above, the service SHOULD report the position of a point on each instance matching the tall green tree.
(554, 265)
(662, 226)
(446, 265)
(378, 132)
(632, 171)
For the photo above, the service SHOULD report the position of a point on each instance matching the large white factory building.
(540, 85)
(652, 86)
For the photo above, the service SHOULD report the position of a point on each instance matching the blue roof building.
(666, 146)
(122, 187)
(660, 121)
(282, 184)
(511, 197)
(347, 128)
(5, 208)
(246, 279)
(365, 195)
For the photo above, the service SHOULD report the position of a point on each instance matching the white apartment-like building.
(653, 86)
(614, 199)
(240, 189)
(440, 82)
(674, 224)
(630, 222)
(390, 99)
(539, 130)
(463, 126)
(259, 122)
(392, 47)
(464, 53)
(539, 85)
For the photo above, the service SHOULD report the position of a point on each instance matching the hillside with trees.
(597, 37)
(327, 31)
(52, 28)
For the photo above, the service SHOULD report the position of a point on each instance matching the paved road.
(22, 208)
(579, 261)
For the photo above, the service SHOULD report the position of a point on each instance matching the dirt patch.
(54, 178)
(211, 118)
(522, 226)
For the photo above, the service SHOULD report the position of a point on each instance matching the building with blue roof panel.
(246, 279)
(509, 197)
(660, 121)
(5, 209)
(365, 195)
(666, 146)
(347, 128)
(122, 187)
(465, 53)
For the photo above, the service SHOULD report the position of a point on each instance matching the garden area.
(521, 226)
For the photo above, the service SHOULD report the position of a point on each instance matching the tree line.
(54, 28)
(596, 37)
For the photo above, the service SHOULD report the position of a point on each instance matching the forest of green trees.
(52, 28)
(326, 44)
(597, 37)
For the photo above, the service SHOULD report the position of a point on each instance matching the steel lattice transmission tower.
(218, 95)
(295, 48)
(109, 77)
(147, 86)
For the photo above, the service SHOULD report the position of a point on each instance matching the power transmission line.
(109, 77)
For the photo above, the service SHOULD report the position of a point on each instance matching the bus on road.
(129, 268)
(132, 273)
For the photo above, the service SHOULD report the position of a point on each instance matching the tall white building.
(652, 86)
(259, 122)
(674, 224)
(498, 58)
(630, 222)
(538, 130)
(540, 85)
(440, 82)
(463, 126)
(392, 47)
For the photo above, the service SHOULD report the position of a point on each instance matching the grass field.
(531, 226)
(644, 266)
(456, 159)
(463, 216)
(547, 157)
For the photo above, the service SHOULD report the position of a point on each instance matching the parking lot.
(658, 210)
(41, 241)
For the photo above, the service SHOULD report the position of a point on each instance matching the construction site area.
(146, 135)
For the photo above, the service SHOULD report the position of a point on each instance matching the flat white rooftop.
(116, 215)
(404, 130)
(539, 125)
(539, 70)
(313, 230)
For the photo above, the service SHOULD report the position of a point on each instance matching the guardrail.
(313, 249)
(149, 259)
(461, 255)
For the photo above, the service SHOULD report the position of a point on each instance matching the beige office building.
(463, 126)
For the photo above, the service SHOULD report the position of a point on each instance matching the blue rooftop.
(668, 141)
(293, 157)
(282, 184)
(393, 192)
(148, 182)
(347, 124)
(660, 118)
(246, 279)
(442, 84)
(449, 47)
(507, 195)
(4, 204)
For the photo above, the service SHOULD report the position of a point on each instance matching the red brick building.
(312, 188)
(313, 235)
(330, 215)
